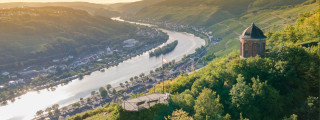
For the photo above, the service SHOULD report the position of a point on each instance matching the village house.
(130, 43)
(5, 73)
(109, 51)
(12, 83)
(55, 60)
(70, 57)
(29, 74)
(13, 76)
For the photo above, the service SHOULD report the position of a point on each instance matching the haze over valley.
(159, 59)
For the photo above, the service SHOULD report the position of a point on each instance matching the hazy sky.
(92, 1)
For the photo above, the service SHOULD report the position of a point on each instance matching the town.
(62, 70)
(135, 86)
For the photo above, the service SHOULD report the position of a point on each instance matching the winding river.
(28, 104)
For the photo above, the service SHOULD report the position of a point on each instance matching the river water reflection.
(30, 103)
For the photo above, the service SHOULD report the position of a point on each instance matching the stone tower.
(252, 42)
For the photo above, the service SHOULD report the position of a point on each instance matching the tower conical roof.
(253, 32)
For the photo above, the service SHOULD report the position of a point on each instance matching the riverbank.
(51, 78)
(139, 86)
(142, 84)
(70, 93)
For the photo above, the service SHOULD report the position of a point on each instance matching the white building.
(130, 43)
(70, 57)
(5, 73)
(55, 60)
(109, 51)
(12, 83)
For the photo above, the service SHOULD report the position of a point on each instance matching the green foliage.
(258, 88)
(183, 101)
(103, 92)
(165, 49)
(284, 83)
(307, 29)
(106, 108)
(274, 3)
(256, 100)
(310, 109)
(207, 105)
(179, 115)
(241, 93)
(292, 117)
(36, 35)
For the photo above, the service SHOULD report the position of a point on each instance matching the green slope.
(226, 18)
(31, 35)
(268, 19)
(283, 85)
(129, 9)
(92, 8)
(206, 12)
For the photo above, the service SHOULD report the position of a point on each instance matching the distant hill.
(128, 9)
(92, 8)
(284, 85)
(204, 12)
(227, 19)
(36, 34)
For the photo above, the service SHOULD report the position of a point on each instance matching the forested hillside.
(129, 9)
(267, 19)
(226, 19)
(92, 8)
(207, 12)
(282, 85)
(33, 35)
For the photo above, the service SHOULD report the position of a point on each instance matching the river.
(28, 104)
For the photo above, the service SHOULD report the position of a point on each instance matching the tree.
(131, 79)
(136, 77)
(126, 82)
(109, 86)
(292, 117)
(207, 105)
(93, 93)
(77, 104)
(48, 109)
(39, 112)
(256, 101)
(310, 109)
(56, 112)
(151, 71)
(121, 84)
(240, 92)
(55, 106)
(141, 75)
(184, 100)
(179, 115)
(103, 92)
(114, 91)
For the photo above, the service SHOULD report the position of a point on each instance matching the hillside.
(226, 19)
(129, 9)
(206, 12)
(268, 19)
(92, 8)
(282, 85)
(33, 35)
